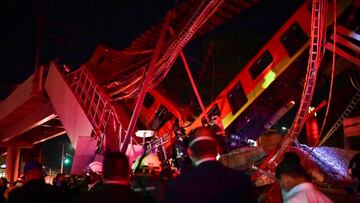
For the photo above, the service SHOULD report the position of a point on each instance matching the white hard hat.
(96, 167)
(151, 162)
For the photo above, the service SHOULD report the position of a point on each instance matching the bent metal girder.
(157, 72)
(318, 28)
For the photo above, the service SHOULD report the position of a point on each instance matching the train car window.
(214, 111)
(162, 115)
(149, 100)
(236, 97)
(293, 39)
(261, 64)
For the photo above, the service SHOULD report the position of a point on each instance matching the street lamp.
(64, 159)
(67, 160)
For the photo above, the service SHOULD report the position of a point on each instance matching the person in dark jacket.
(354, 168)
(35, 189)
(208, 181)
(115, 185)
(3, 188)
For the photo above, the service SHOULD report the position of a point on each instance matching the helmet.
(149, 165)
(95, 167)
(151, 162)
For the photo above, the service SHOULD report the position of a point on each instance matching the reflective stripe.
(201, 138)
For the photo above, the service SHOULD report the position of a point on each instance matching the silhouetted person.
(147, 180)
(61, 182)
(208, 181)
(93, 182)
(35, 189)
(3, 188)
(354, 168)
(94, 176)
(18, 183)
(115, 186)
(295, 184)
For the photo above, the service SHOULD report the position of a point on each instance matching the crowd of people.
(206, 181)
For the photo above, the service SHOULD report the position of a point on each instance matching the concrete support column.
(12, 162)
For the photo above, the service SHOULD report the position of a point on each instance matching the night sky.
(51, 152)
(68, 29)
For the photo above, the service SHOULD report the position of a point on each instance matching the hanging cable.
(188, 71)
(354, 83)
(332, 74)
(354, 101)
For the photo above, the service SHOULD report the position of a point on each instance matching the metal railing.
(97, 106)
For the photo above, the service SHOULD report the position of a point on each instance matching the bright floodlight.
(144, 133)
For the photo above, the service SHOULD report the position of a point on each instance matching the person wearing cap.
(115, 185)
(35, 189)
(208, 181)
(147, 180)
(94, 175)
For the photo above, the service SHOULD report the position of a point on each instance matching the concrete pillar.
(12, 162)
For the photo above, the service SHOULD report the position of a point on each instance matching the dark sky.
(71, 29)
(68, 29)
(52, 149)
